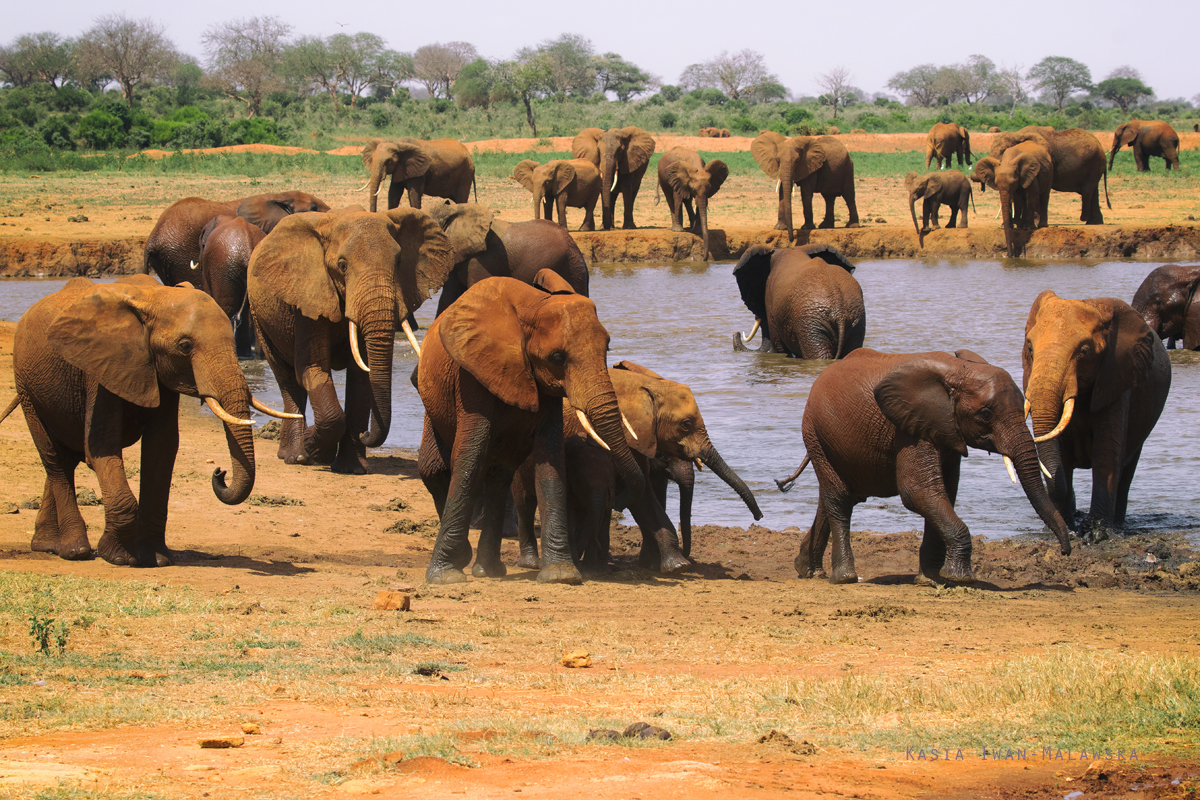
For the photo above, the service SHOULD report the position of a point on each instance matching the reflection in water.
(679, 321)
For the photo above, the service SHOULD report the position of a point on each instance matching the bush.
(670, 93)
(872, 123)
(68, 98)
(101, 130)
(797, 115)
(743, 124)
(260, 130)
(667, 119)
(712, 97)
(56, 133)
(655, 100)
(380, 118)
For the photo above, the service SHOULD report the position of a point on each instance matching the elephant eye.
(1086, 350)
(986, 415)
(341, 262)
(558, 358)
(185, 346)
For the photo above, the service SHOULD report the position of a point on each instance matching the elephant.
(173, 246)
(935, 188)
(1165, 301)
(486, 247)
(1096, 379)
(225, 247)
(561, 183)
(622, 155)
(1023, 178)
(684, 177)
(805, 299)
(1151, 138)
(1078, 164)
(817, 164)
(495, 370)
(315, 282)
(715, 133)
(667, 434)
(947, 139)
(100, 366)
(880, 425)
(440, 167)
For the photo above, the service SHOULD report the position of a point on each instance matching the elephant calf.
(684, 177)
(936, 188)
(561, 183)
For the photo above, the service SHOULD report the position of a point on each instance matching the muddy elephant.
(881, 425)
(1096, 379)
(622, 155)
(486, 247)
(1150, 138)
(935, 189)
(684, 179)
(805, 299)
(440, 167)
(316, 284)
(226, 244)
(1078, 160)
(493, 376)
(818, 165)
(1023, 178)
(173, 246)
(947, 139)
(1166, 301)
(100, 366)
(560, 184)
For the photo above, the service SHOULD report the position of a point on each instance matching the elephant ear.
(638, 149)
(290, 263)
(586, 145)
(368, 151)
(718, 172)
(765, 149)
(551, 282)
(812, 158)
(1128, 133)
(482, 332)
(413, 160)
(637, 402)
(970, 355)
(466, 225)
(102, 331)
(830, 255)
(680, 176)
(209, 228)
(267, 210)
(1191, 326)
(910, 182)
(751, 272)
(426, 257)
(629, 366)
(1128, 354)
(985, 173)
(1030, 172)
(523, 173)
(564, 176)
(915, 397)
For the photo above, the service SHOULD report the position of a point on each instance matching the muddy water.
(680, 321)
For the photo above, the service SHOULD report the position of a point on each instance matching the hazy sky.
(872, 38)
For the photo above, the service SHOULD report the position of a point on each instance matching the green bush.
(68, 98)
(872, 123)
(261, 130)
(56, 133)
(667, 119)
(743, 124)
(101, 130)
(670, 93)
(797, 115)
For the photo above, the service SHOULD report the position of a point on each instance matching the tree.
(48, 56)
(837, 88)
(918, 84)
(528, 76)
(246, 58)
(16, 65)
(625, 80)
(1123, 91)
(1058, 76)
(1125, 71)
(364, 61)
(476, 85)
(736, 74)
(308, 61)
(569, 61)
(1013, 82)
(437, 66)
(131, 50)
(972, 81)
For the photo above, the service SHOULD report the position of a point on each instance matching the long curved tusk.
(358, 359)
(616, 177)
(1012, 470)
(412, 337)
(1045, 471)
(587, 426)
(381, 187)
(699, 466)
(1068, 407)
(629, 427)
(225, 416)
(748, 336)
(270, 412)
(1028, 406)
(364, 186)
(193, 264)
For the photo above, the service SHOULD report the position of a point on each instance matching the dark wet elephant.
(226, 245)
(1166, 301)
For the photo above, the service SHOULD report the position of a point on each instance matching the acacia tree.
(131, 50)
(45, 57)
(973, 80)
(308, 61)
(836, 87)
(16, 65)
(476, 86)
(735, 74)
(246, 57)
(1058, 76)
(1123, 91)
(528, 76)
(1013, 82)
(364, 61)
(918, 84)
(625, 80)
(568, 62)
(437, 65)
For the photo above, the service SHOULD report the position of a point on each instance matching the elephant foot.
(808, 226)
(671, 563)
(444, 576)
(528, 561)
(629, 226)
(779, 226)
(560, 573)
(958, 573)
(851, 225)
(460, 556)
(844, 574)
(351, 463)
(677, 228)
(300, 459)
(1093, 530)
(588, 228)
(45, 541)
(928, 581)
(81, 550)
(807, 570)
(489, 570)
(114, 552)
(162, 558)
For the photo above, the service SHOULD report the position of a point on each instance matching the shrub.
(655, 100)
(379, 118)
(797, 115)
(712, 97)
(668, 119)
(56, 133)
(69, 98)
(872, 123)
(690, 102)
(670, 93)
(261, 130)
(101, 130)
(743, 124)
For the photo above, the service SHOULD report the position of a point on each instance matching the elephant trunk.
(786, 185)
(1016, 443)
(1010, 239)
(598, 401)
(608, 190)
(1046, 394)
(1112, 154)
(539, 197)
(702, 214)
(234, 397)
(379, 334)
(712, 459)
(684, 474)
(912, 209)
(378, 172)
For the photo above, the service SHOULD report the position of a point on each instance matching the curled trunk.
(240, 439)
(712, 459)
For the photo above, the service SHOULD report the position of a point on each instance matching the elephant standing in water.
(818, 165)
(1166, 301)
(947, 139)
(1150, 138)
(225, 249)
(683, 178)
(441, 167)
(881, 425)
(563, 183)
(1078, 161)
(622, 155)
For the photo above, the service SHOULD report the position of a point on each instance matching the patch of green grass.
(78, 793)
(389, 643)
(268, 644)
(26, 594)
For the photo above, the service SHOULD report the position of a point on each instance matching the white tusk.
(412, 338)
(193, 264)
(699, 466)
(628, 427)
(1012, 470)
(587, 426)
(270, 412)
(748, 336)
(363, 187)
(1045, 471)
(778, 186)
(1068, 407)
(1028, 406)
(616, 176)
(224, 415)
(381, 187)
(358, 359)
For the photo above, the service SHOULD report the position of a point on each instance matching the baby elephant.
(566, 182)
(951, 188)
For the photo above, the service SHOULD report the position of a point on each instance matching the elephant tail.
(1106, 199)
(658, 195)
(16, 401)
(475, 186)
(971, 194)
(785, 485)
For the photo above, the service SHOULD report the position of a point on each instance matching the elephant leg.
(589, 218)
(806, 201)
(827, 220)
(928, 484)
(497, 487)
(395, 192)
(558, 564)
(121, 543)
(433, 465)
(665, 556)
(693, 220)
(658, 484)
(953, 221)
(962, 211)
(452, 289)
(351, 458)
(1139, 158)
(851, 205)
(810, 560)
(838, 508)
(1094, 214)
(59, 527)
(312, 360)
(466, 473)
(629, 191)
(160, 444)
(561, 202)
(243, 332)
(295, 400)
(675, 204)
(1122, 500)
(525, 501)
(45, 525)
(1109, 458)
(934, 207)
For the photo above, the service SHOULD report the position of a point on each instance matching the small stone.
(577, 659)
(251, 728)
(220, 742)
(275, 740)
(644, 730)
(881, 220)
(86, 497)
(9, 508)
(200, 767)
(391, 600)
(602, 735)
(32, 504)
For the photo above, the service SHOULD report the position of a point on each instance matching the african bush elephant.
(440, 167)
(1150, 138)
(173, 246)
(935, 188)
(561, 183)
(622, 155)
(947, 139)
(805, 298)
(1078, 163)
(100, 366)
(486, 247)
(817, 164)
(493, 375)
(225, 247)
(881, 425)
(315, 282)
(1023, 179)
(1096, 379)
(1166, 302)
(684, 177)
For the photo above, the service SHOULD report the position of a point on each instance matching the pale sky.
(872, 38)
